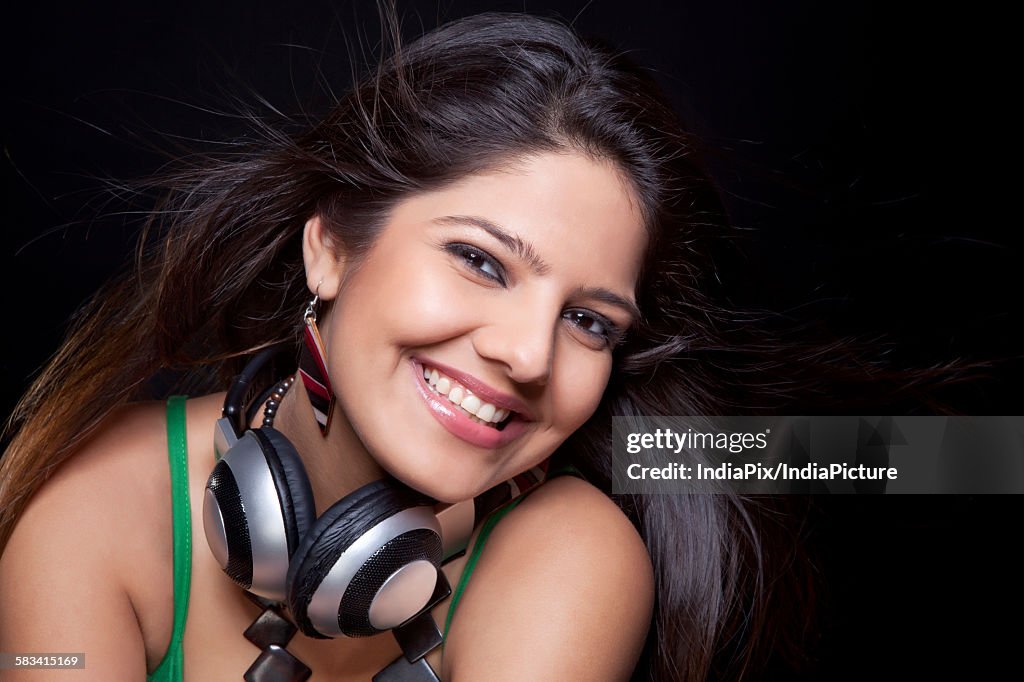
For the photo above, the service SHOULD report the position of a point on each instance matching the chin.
(437, 481)
(443, 491)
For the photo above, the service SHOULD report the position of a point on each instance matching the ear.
(322, 258)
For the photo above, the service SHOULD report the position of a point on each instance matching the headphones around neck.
(369, 564)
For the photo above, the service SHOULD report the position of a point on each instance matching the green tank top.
(172, 666)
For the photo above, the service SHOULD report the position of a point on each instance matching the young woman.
(501, 213)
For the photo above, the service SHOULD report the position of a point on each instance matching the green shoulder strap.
(171, 668)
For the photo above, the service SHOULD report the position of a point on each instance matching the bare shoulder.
(115, 472)
(564, 589)
(97, 534)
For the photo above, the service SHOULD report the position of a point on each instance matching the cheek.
(579, 385)
(412, 305)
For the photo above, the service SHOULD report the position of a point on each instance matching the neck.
(338, 463)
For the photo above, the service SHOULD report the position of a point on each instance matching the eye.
(598, 329)
(478, 260)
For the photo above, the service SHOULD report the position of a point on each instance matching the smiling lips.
(491, 430)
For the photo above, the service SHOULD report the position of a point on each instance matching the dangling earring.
(313, 368)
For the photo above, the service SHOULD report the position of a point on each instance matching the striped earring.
(313, 368)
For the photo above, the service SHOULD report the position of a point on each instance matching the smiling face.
(507, 290)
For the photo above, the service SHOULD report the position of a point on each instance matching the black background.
(868, 150)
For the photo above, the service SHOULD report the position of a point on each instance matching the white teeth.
(481, 411)
(471, 404)
(486, 412)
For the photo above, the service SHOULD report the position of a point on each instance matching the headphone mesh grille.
(225, 490)
(411, 546)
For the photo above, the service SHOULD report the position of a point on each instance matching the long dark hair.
(220, 275)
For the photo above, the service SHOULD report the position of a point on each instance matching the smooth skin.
(564, 588)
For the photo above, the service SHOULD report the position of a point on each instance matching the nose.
(523, 340)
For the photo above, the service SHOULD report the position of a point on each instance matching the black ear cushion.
(339, 527)
(293, 488)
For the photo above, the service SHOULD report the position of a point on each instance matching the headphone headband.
(236, 410)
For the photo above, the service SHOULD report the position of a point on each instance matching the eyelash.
(476, 259)
(611, 334)
(468, 253)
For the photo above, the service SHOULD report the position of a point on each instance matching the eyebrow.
(512, 242)
(610, 297)
(525, 250)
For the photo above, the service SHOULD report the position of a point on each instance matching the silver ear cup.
(243, 521)
(382, 579)
(215, 527)
(401, 596)
(227, 532)
(369, 553)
